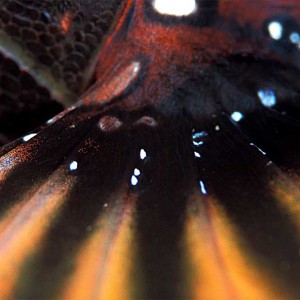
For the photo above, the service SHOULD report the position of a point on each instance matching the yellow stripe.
(286, 189)
(220, 265)
(24, 226)
(104, 265)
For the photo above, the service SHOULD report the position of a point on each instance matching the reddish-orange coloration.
(103, 93)
(66, 21)
(168, 55)
(19, 155)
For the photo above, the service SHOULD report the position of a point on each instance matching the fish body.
(171, 169)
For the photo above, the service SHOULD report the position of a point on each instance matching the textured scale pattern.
(175, 173)
(61, 36)
(59, 39)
